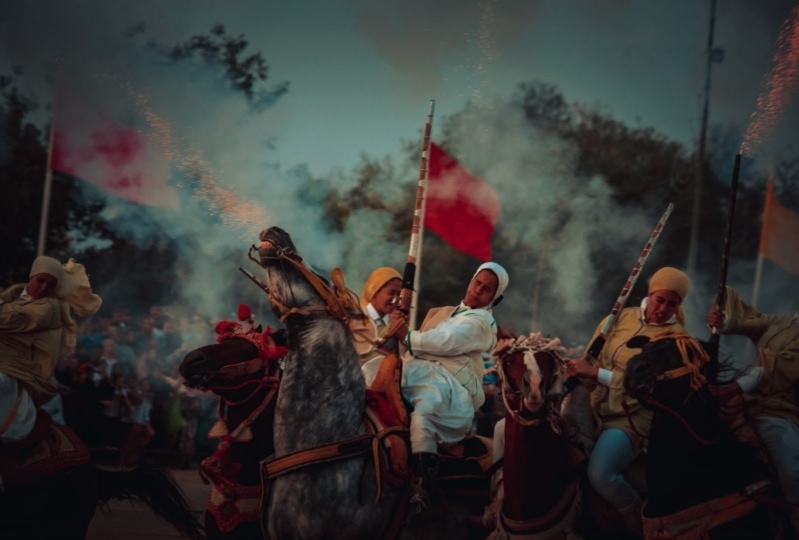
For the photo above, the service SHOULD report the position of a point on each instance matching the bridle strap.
(507, 393)
(671, 412)
(675, 373)
(552, 412)
(254, 414)
(338, 300)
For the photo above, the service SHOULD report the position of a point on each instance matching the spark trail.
(777, 86)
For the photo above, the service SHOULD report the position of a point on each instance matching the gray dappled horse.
(320, 410)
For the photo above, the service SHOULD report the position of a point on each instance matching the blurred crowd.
(122, 391)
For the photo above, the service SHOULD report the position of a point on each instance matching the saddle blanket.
(59, 449)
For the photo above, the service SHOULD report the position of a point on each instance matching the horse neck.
(681, 470)
(322, 393)
(537, 466)
(250, 453)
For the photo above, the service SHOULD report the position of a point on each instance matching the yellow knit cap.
(670, 279)
(376, 281)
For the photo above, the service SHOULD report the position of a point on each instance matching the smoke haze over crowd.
(360, 75)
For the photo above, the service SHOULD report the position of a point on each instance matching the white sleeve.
(469, 332)
(604, 376)
(751, 379)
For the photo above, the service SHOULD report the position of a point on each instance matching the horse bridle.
(550, 414)
(266, 359)
(687, 369)
(340, 302)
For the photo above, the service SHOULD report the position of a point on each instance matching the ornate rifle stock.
(596, 347)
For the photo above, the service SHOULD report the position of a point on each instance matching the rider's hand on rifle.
(400, 319)
(582, 368)
(726, 392)
(716, 319)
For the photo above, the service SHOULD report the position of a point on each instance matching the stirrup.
(419, 501)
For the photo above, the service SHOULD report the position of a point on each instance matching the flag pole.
(41, 246)
(417, 229)
(416, 281)
(410, 277)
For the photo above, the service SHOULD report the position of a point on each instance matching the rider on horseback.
(36, 328)
(443, 372)
(769, 387)
(378, 299)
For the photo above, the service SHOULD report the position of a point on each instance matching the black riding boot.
(425, 467)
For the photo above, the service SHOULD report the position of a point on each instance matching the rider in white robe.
(443, 368)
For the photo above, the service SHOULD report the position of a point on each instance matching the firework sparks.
(234, 210)
(777, 86)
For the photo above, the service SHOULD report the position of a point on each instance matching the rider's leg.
(498, 441)
(612, 454)
(781, 439)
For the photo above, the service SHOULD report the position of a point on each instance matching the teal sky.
(362, 72)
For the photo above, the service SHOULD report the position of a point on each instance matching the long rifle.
(599, 342)
(263, 286)
(409, 275)
(721, 295)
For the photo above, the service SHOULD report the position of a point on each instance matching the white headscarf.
(75, 291)
(47, 265)
(502, 278)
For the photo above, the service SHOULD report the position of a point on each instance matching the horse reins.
(267, 356)
(338, 300)
(551, 413)
(685, 370)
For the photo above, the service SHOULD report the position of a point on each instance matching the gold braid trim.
(687, 344)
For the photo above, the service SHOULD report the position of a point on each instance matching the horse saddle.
(57, 448)
(463, 466)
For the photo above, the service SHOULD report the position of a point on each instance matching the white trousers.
(442, 408)
(25, 416)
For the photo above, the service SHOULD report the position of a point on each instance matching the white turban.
(47, 265)
(73, 283)
(502, 277)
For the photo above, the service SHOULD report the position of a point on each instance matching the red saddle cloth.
(58, 448)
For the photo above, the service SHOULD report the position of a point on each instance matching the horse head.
(240, 357)
(297, 289)
(531, 372)
(669, 369)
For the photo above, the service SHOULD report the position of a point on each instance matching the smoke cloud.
(234, 182)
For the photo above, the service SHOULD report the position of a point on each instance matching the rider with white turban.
(36, 329)
(442, 374)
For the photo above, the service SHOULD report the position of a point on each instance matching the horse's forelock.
(277, 236)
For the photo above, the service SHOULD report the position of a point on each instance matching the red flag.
(123, 160)
(460, 207)
(779, 235)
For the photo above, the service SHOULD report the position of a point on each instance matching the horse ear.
(637, 342)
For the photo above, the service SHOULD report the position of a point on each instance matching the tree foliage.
(244, 73)
(644, 171)
(76, 210)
